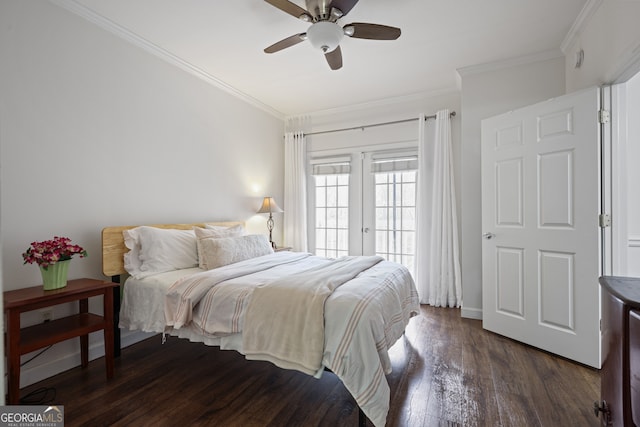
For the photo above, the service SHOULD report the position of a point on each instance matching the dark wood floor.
(447, 372)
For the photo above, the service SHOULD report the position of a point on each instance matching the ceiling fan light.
(325, 35)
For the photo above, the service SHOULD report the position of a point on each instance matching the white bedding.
(363, 317)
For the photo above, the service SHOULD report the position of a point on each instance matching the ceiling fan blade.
(334, 58)
(371, 31)
(285, 43)
(344, 5)
(291, 8)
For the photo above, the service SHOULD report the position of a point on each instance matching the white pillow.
(132, 262)
(215, 232)
(228, 250)
(161, 250)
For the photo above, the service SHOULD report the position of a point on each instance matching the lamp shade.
(269, 206)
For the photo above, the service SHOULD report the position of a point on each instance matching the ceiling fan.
(325, 33)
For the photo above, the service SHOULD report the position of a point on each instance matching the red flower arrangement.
(51, 251)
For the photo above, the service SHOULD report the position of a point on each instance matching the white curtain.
(295, 191)
(438, 265)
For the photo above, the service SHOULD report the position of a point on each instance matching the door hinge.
(604, 220)
(604, 116)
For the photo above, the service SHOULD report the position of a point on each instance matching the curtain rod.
(452, 114)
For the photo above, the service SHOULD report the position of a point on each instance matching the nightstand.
(22, 341)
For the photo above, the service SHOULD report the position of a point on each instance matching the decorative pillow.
(228, 250)
(233, 231)
(160, 250)
(215, 232)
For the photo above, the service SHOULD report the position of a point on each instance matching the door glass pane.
(408, 240)
(382, 219)
(408, 218)
(320, 237)
(409, 262)
(343, 218)
(382, 193)
(321, 196)
(343, 196)
(332, 218)
(381, 241)
(396, 216)
(332, 196)
(343, 238)
(409, 194)
(332, 215)
(321, 220)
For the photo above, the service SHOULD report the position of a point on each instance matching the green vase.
(55, 275)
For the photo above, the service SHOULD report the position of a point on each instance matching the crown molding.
(386, 102)
(578, 25)
(129, 36)
(627, 66)
(512, 62)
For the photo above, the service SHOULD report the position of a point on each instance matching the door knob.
(488, 235)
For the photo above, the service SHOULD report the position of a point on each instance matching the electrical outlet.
(47, 315)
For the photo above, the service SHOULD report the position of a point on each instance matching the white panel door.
(541, 241)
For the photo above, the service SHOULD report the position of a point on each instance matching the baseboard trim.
(133, 337)
(471, 313)
(71, 359)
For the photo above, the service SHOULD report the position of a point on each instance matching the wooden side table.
(22, 341)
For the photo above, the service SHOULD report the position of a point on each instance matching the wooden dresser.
(620, 375)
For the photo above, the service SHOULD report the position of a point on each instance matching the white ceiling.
(225, 40)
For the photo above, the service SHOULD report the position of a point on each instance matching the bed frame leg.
(362, 418)
(116, 317)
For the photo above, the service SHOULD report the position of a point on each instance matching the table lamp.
(269, 206)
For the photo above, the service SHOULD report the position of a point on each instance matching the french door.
(389, 206)
(365, 204)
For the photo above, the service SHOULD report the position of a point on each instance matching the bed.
(213, 283)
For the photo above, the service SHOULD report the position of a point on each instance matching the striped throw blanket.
(284, 322)
(185, 294)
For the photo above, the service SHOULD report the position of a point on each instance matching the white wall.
(609, 34)
(96, 132)
(390, 110)
(632, 158)
(488, 90)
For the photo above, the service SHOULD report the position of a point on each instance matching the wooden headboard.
(113, 248)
